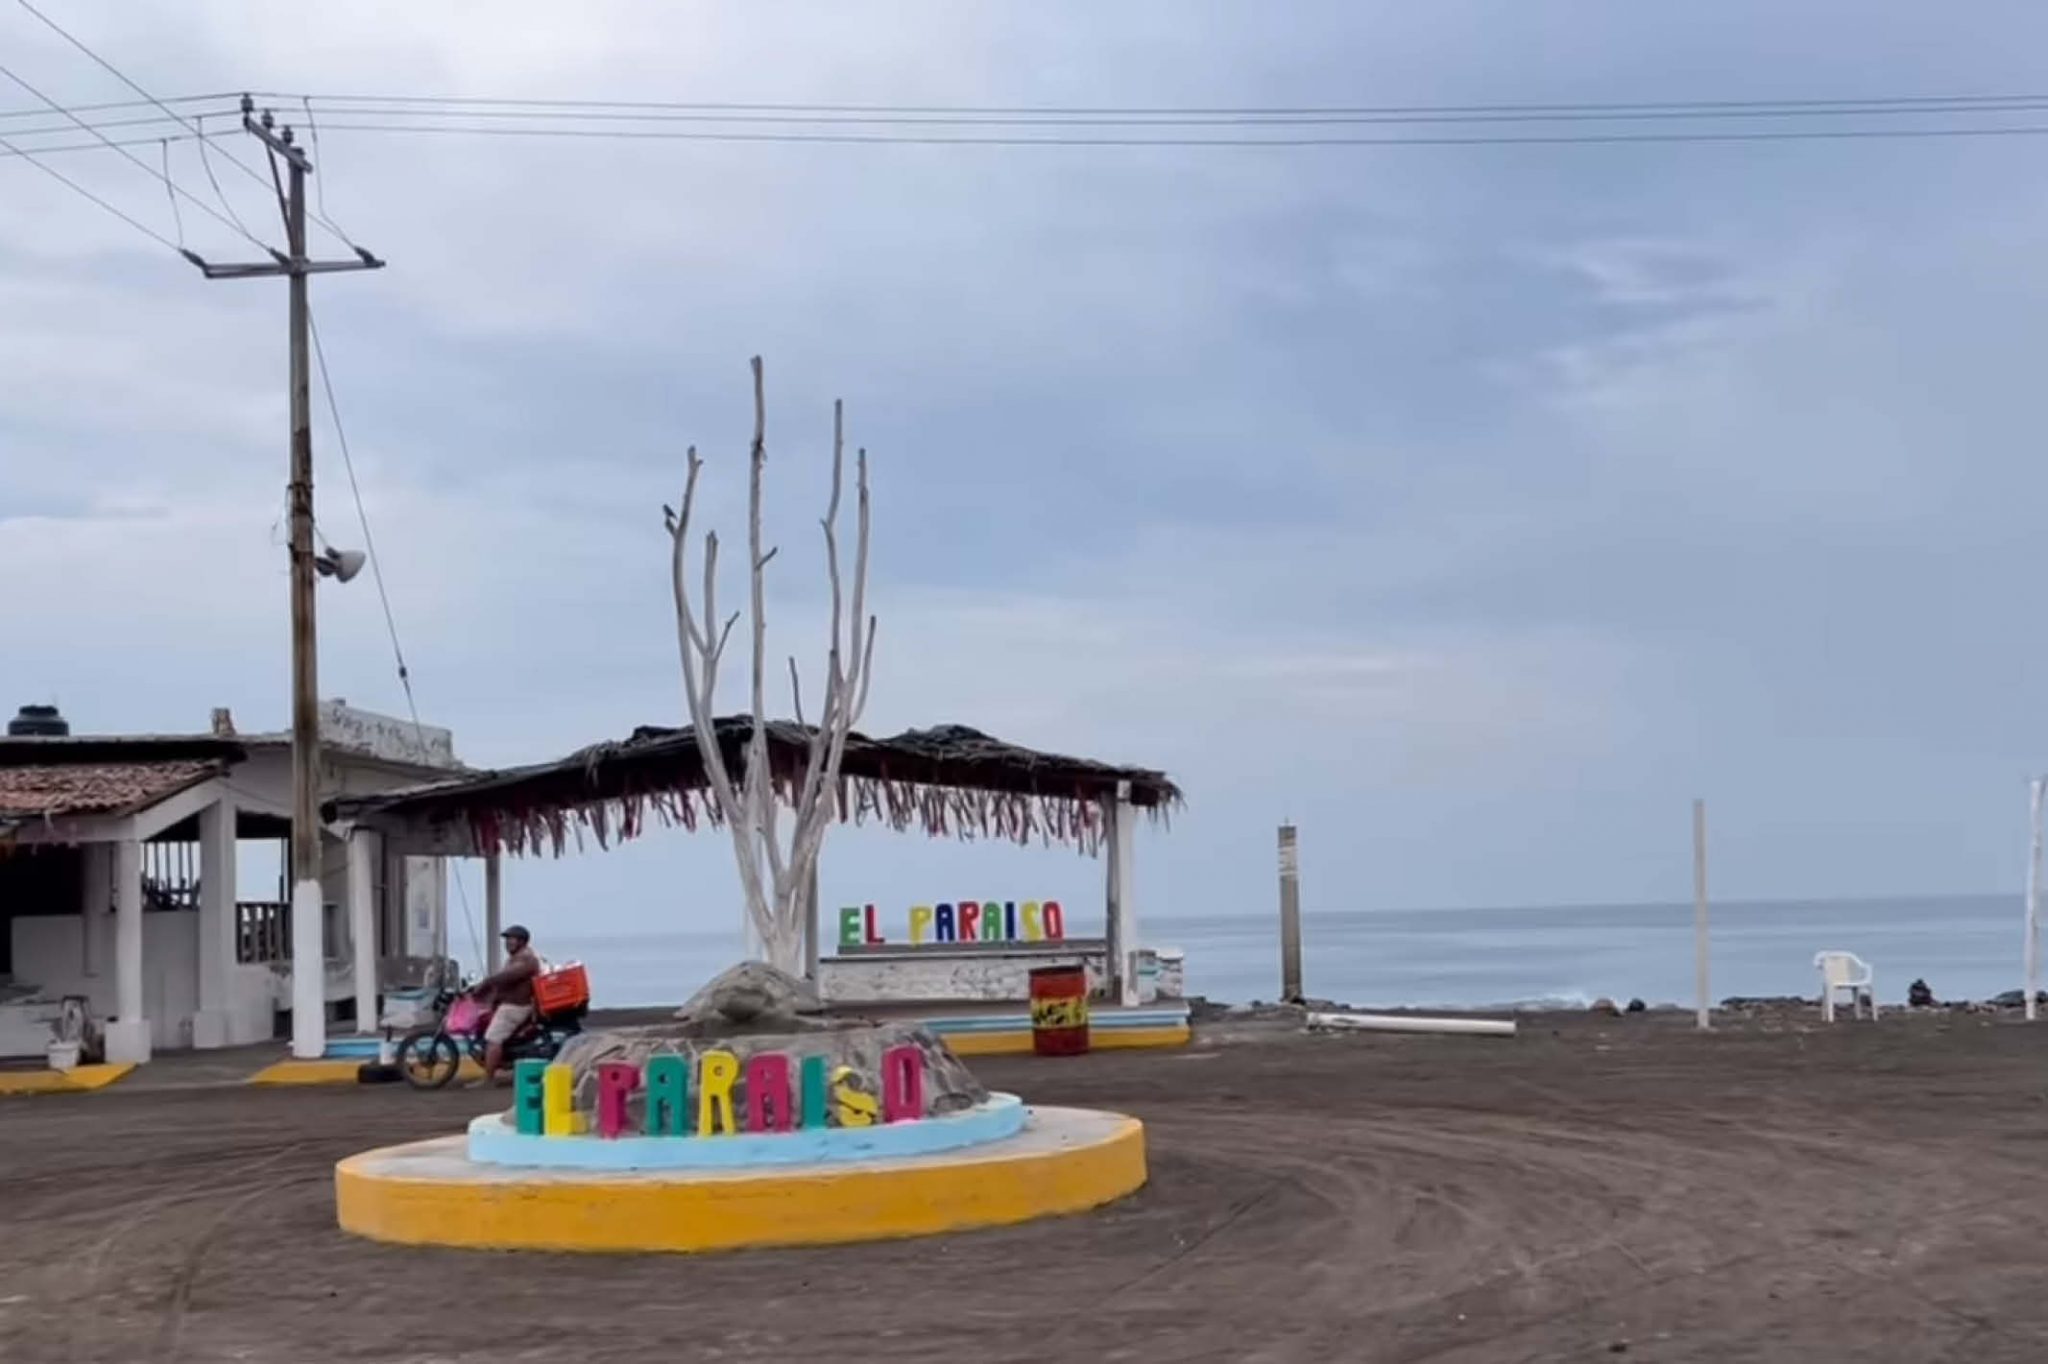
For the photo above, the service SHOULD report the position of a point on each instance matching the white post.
(363, 857)
(1122, 916)
(494, 911)
(213, 1026)
(128, 1033)
(1290, 916)
(309, 966)
(2033, 945)
(1699, 908)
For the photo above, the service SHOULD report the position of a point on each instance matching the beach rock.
(752, 992)
(2013, 999)
(1604, 1007)
(1636, 1006)
(1919, 995)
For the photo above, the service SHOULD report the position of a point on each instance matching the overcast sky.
(1474, 507)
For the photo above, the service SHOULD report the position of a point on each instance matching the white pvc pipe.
(1485, 1027)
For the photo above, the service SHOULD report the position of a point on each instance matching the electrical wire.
(9, 149)
(1416, 112)
(204, 207)
(383, 595)
(121, 76)
(1063, 140)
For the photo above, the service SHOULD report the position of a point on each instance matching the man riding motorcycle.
(510, 990)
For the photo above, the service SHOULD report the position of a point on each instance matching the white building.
(120, 866)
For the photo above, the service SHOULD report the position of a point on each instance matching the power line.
(1605, 108)
(1155, 119)
(121, 104)
(9, 149)
(383, 595)
(122, 77)
(1066, 140)
(138, 161)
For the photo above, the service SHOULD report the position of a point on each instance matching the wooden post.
(811, 927)
(2033, 939)
(1290, 916)
(1699, 910)
(1120, 920)
(494, 911)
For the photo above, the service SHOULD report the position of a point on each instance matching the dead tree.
(775, 876)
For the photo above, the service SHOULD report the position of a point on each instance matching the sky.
(1475, 508)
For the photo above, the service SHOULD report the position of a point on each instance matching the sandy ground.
(1591, 1189)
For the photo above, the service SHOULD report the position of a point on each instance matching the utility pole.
(1290, 917)
(1699, 913)
(309, 998)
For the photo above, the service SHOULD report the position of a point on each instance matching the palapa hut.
(949, 780)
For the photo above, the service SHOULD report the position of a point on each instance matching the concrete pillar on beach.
(1699, 910)
(363, 857)
(128, 1033)
(1290, 916)
(213, 1025)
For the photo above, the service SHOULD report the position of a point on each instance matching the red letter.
(902, 1084)
(872, 935)
(768, 1092)
(616, 1081)
(1055, 921)
(970, 916)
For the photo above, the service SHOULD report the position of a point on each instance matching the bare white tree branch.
(776, 880)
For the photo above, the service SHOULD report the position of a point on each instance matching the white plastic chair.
(1844, 971)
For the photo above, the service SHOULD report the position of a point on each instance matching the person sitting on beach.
(510, 989)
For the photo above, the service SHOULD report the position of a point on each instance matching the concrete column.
(94, 906)
(494, 911)
(1121, 918)
(128, 1032)
(363, 856)
(309, 967)
(213, 1025)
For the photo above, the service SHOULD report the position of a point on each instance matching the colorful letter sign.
(771, 1093)
(960, 921)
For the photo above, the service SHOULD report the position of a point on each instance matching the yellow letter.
(558, 1119)
(853, 1105)
(920, 920)
(1027, 915)
(716, 1073)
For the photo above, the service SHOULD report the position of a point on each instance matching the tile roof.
(51, 790)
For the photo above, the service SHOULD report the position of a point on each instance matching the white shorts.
(506, 1020)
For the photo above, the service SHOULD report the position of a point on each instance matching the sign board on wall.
(386, 736)
(960, 921)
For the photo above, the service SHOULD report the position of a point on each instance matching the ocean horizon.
(1964, 946)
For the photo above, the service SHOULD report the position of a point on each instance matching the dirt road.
(1588, 1190)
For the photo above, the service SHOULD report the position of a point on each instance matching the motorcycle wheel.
(429, 1060)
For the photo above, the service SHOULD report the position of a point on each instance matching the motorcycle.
(429, 1057)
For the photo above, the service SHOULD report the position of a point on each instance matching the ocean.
(1964, 946)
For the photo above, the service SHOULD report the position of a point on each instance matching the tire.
(429, 1060)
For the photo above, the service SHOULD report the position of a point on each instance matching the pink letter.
(902, 1084)
(616, 1081)
(1055, 920)
(768, 1108)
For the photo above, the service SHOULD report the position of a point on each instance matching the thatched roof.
(950, 780)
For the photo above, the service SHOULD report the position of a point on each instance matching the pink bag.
(465, 1015)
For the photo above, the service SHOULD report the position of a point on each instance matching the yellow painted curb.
(341, 1071)
(78, 1080)
(1019, 1043)
(428, 1193)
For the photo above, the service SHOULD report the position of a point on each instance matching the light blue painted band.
(492, 1141)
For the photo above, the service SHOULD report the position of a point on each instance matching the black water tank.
(38, 722)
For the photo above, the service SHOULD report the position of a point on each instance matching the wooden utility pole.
(2032, 950)
(1699, 910)
(309, 1002)
(1290, 917)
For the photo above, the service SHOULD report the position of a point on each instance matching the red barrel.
(1059, 1010)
